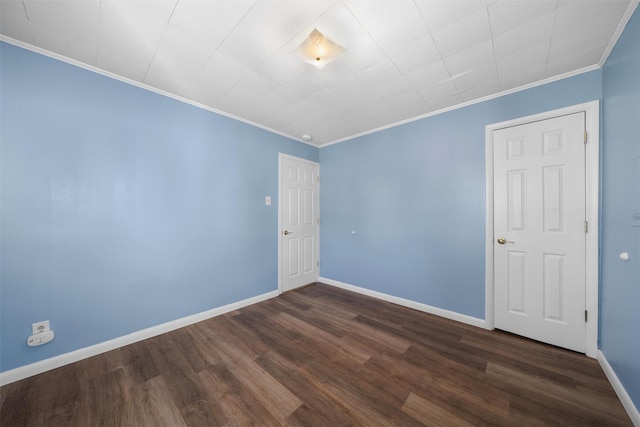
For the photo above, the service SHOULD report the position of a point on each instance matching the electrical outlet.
(39, 327)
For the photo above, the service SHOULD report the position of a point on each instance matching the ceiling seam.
(164, 31)
(553, 28)
(451, 77)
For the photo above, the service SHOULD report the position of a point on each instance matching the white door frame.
(282, 156)
(592, 176)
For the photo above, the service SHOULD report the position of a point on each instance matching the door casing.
(592, 177)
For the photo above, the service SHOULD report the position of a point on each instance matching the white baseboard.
(469, 320)
(26, 371)
(624, 397)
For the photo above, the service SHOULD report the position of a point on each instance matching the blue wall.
(415, 196)
(620, 281)
(123, 209)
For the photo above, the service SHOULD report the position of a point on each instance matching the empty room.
(319, 212)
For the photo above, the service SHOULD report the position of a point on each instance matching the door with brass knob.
(539, 200)
(299, 222)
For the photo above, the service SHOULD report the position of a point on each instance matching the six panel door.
(539, 225)
(299, 222)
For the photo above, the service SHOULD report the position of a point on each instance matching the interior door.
(539, 226)
(299, 222)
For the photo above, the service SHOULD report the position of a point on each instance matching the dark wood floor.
(321, 356)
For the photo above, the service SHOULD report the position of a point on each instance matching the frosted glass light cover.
(319, 50)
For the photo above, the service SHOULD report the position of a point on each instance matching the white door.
(299, 222)
(539, 226)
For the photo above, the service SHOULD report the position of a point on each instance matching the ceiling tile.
(601, 17)
(481, 91)
(140, 20)
(409, 46)
(467, 32)
(113, 42)
(69, 19)
(325, 96)
(430, 74)
(177, 46)
(392, 88)
(220, 17)
(65, 45)
(523, 60)
(506, 15)
(440, 14)
(303, 12)
(220, 74)
(477, 77)
(372, 14)
(124, 66)
(170, 78)
(523, 77)
(480, 55)
(437, 92)
(446, 102)
(14, 22)
(378, 73)
(407, 100)
(282, 67)
(257, 85)
(261, 32)
(378, 110)
(574, 60)
(533, 32)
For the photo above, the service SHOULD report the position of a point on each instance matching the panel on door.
(539, 220)
(299, 222)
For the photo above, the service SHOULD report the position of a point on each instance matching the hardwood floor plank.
(317, 408)
(15, 403)
(152, 405)
(109, 399)
(317, 334)
(238, 403)
(430, 414)
(140, 365)
(321, 356)
(562, 397)
(277, 399)
(186, 392)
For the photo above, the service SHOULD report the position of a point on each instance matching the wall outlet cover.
(40, 327)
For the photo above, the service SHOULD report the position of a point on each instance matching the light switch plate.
(40, 327)
(267, 201)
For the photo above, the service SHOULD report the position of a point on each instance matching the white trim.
(592, 113)
(631, 7)
(468, 103)
(280, 199)
(452, 315)
(624, 397)
(36, 368)
(145, 87)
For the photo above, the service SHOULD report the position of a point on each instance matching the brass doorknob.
(502, 240)
(287, 232)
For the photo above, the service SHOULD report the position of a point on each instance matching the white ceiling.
(404, 58)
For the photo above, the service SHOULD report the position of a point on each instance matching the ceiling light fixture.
(319, 50)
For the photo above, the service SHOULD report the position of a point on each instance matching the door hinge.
(586, 226)
(317, 263)
(586, 137)
(317, 220)
(318, 178)
(586, 316)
